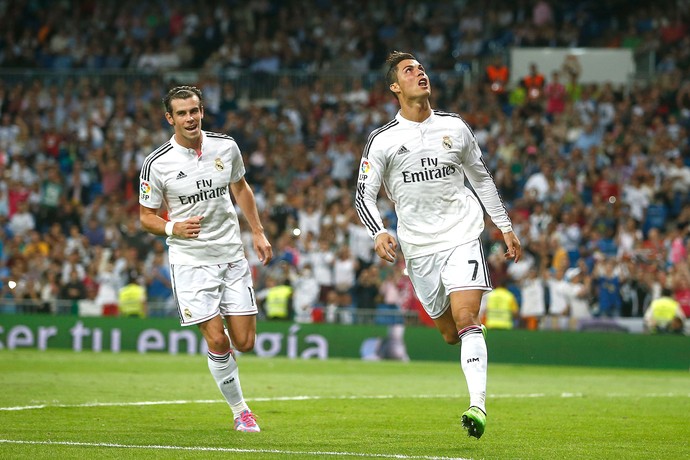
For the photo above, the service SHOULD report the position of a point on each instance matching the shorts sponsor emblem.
(447, 143)
(187, 313)
(219, 165)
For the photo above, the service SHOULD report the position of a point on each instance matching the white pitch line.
(317, 398)
(113, 404)
(228, 449)
(214, 401)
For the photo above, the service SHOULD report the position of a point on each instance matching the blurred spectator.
(109, 283)
(681, 289)
(571, 66)
(578, 292)
(501, 309)
(35, 245)
(497, 75)
(555, 94)
(607, 286)
(22, 221)
(360, 243)
(664, 315)
(321, 258)
(305, 294)
(337, 312)
(309, 219)
(390, 288)
(50, 292)
(532, 300)
(559, 307)
(71, 266)
(158, 286)
(131, 298)
(534, 84)
(73, 290)
(277, 299)
(95, 233)
(365, 293)
(344, 272)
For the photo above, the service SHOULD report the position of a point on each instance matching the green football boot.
(474, 421)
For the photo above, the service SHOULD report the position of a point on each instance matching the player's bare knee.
(218, 343)
(466, 320)
(244, 348)
(245, 345)
(451, 337)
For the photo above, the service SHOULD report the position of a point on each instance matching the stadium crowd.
(596, 177)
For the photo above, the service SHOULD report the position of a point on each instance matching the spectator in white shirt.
(558, 300)
(22, 221)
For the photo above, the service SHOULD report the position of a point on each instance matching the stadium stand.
(596, 176)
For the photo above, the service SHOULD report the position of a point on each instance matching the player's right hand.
(386, 246)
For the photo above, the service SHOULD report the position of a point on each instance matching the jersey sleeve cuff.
(507, 229)
(383, 230)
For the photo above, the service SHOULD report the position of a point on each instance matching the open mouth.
(423, 83)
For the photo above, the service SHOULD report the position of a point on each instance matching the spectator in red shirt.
(681, 290)
(606, 187)
(556, 95)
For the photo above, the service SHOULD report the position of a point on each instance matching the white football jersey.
(422, 167)
(192, 185)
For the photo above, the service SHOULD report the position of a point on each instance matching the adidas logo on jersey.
(181, 175)
(402, 150)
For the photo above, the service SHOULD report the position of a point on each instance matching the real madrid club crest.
(187, 313)
(219, 165)
(447, 143)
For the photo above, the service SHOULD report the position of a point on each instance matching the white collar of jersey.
(405, 121)
(182, 149)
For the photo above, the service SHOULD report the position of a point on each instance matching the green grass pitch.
(61, 404)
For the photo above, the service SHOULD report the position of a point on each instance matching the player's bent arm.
(151, 221)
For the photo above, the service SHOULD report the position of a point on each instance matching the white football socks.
(226, 374)
(473, 359)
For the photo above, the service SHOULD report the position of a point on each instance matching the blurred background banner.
(324, 341)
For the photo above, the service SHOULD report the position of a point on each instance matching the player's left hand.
(386, 246)
(263, 248)
(189, 228)
(514, 250)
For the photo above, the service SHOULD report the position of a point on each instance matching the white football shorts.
(435, 276)
(204, 291)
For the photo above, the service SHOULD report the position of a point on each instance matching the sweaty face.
(412, 80)
(186, 118)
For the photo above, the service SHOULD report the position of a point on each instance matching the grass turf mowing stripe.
(318, 398)
(228, 449)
